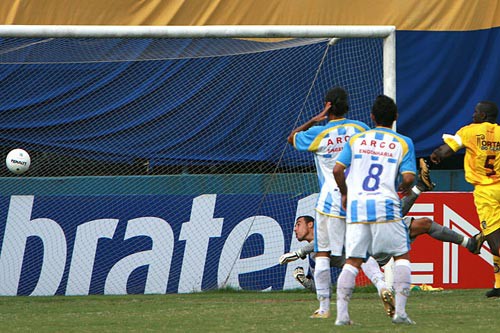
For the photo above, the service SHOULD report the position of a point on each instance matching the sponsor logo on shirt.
(484, 144)
(373, 145)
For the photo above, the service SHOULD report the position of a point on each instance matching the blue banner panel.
(122, 244)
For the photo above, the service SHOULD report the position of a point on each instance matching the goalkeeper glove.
(300, 276)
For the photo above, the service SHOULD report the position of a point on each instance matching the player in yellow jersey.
(481, 141)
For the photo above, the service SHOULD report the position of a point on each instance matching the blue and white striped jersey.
(376, 158)
(326, 142)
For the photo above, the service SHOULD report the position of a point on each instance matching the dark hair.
(338, 97)
(384, 111)
(308, 218)
(490, 109)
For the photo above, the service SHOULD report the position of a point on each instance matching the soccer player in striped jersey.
(369, 194)
(326, 142)
(481, 141)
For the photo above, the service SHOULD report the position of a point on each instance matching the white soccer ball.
(18, 161)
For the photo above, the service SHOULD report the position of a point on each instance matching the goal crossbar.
(232, 31)
(228, 31)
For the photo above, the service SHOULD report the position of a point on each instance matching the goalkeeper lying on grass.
(304, 230)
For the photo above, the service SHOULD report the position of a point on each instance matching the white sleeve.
(305, 250)
(456, 138)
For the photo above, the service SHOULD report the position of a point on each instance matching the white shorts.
(383, 259)
(377, 239)
(329, 234)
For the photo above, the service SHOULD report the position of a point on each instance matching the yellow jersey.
(482, 151)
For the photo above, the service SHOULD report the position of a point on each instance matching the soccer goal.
(159, 161)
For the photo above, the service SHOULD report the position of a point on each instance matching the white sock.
(373, 272)
(402, 284)
(323, 282)
(345, 286)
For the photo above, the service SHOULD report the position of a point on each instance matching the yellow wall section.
(437, 15)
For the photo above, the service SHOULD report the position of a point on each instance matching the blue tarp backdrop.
(440, 78)
(63, 114)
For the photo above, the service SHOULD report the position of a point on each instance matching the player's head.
(304, 228)
(338, 97)
(485, 111)
(384, 111)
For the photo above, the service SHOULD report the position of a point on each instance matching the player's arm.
(452, 144)
(407, 182)
(305, 250)
(342, 163)
(442, 152)
(313, 121)
(295, 255)
(339, 175)
(408, 169)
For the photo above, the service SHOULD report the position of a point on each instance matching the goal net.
(159, 161)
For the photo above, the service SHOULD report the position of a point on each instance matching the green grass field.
(231, 311)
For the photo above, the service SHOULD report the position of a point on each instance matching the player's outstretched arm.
(288, 257)
(295, 255)
(442, 152)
